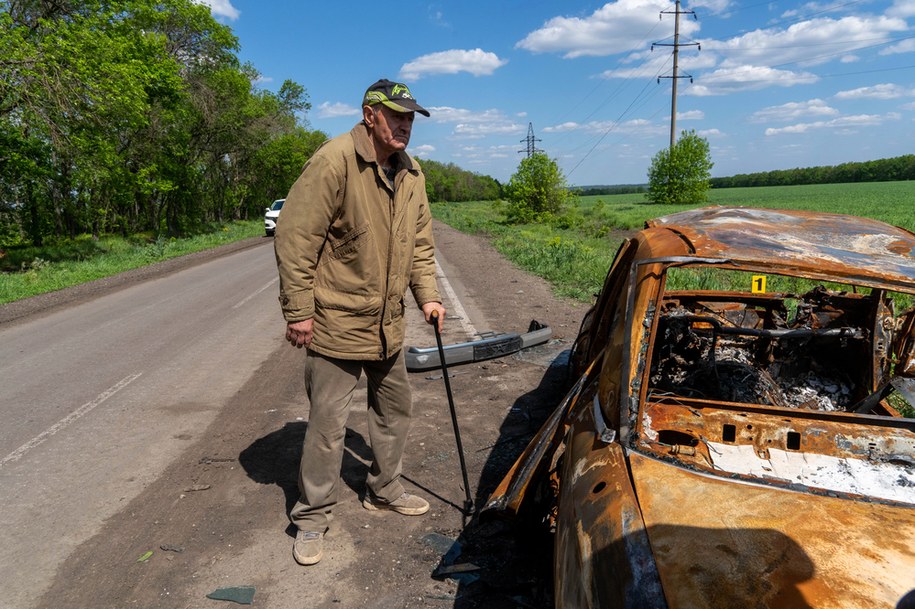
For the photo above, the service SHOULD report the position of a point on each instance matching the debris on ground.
(243, 595)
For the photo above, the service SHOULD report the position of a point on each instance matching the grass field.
(574, 253)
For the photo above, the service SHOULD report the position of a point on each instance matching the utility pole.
(530, 139)
(676, 45)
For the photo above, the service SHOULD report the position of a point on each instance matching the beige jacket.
(348, 246)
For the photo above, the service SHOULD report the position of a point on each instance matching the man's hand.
(429, 307)
(300, 333)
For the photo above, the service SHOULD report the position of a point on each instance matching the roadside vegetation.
(573, 251)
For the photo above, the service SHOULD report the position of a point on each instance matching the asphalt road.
(106, 402)
(129, 380)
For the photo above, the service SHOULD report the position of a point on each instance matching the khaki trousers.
(330, 384)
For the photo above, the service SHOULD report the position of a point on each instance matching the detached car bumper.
(489, 347)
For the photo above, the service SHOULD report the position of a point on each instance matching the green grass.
(29, 271)
(575, 252)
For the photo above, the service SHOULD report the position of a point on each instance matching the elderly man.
(354, 234)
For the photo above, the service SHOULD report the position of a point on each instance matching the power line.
(607, 132)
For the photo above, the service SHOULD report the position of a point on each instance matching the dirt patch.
(218, 517)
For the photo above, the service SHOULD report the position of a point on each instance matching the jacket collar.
(365, 149)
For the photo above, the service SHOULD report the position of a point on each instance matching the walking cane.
(468, 502)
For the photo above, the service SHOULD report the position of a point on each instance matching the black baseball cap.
(394, 95)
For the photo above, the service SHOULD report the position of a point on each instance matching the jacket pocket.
(362, 304)
(347, 244)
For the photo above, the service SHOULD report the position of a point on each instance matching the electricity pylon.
(676, 45)
(530, 139)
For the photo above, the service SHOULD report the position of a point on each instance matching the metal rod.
(468, 503)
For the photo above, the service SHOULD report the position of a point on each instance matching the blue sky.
(775, 85)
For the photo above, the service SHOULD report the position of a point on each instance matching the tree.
(680, 175)
(136, 115)
(537, 191)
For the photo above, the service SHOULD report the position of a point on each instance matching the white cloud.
(634, 126)
(906, 46)
(477, 62)
(481, 130)
(747, 78)
(477, 155)
(844, 124)
(709, 133)
(763, 58)
(437, 17)
(422, 151)
(336, 110)
(563, 127)
(474, 124)
(882, 91)
(659, 63)
(815, 8)
(810, 42)
(447, 114)
(902, 8)
(692, 115)
(793, 111)
(222, 8)
(616, 27)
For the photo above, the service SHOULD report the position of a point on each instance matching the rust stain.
(701, 528)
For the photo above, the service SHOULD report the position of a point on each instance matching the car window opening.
(825, 349)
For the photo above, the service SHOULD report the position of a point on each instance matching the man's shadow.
(275, 458)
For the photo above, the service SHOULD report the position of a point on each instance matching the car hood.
(719, 542)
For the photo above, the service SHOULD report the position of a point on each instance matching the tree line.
(607, 189)
(880, 170)
(448, 182)
(136, 116)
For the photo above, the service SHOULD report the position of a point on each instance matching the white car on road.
(272, 213)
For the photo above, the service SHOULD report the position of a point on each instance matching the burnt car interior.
(824, 349)
(754, 369)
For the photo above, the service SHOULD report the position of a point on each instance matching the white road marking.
(456, 306)
(243, 302)
(70, 418)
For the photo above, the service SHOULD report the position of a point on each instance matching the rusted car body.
(736, 447)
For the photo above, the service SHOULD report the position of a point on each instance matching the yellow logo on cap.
(402, 90)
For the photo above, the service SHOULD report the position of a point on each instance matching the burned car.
(739, 432)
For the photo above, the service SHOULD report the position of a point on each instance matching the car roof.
(812, 244)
